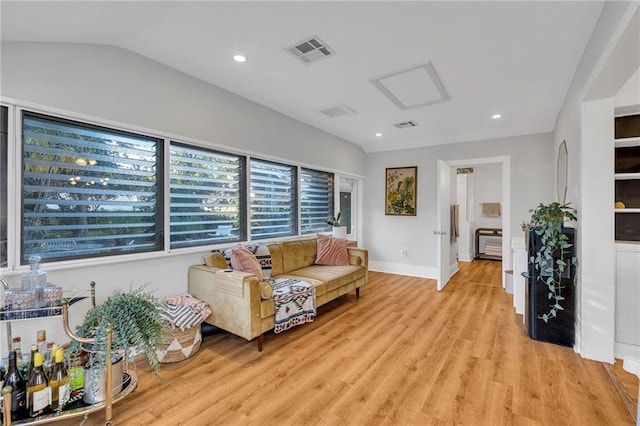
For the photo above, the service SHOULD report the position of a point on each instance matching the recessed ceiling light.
(239, 58)
(378, 134)
(496, 116)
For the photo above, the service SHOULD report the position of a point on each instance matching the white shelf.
(626, 210)
(626, 142)
(626, 176)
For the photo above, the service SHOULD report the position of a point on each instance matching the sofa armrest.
(358, 256)
(233, 296)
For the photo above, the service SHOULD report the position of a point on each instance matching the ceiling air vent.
(406, 124)
(310, 50)
(336, 111)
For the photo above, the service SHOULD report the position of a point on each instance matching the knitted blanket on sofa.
(295, 303)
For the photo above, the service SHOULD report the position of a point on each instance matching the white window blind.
(272, 200)
(88, 190)
(206, 196)
(316, 200)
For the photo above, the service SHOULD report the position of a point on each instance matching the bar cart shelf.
(76, 408)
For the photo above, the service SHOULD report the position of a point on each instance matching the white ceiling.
(514, 58)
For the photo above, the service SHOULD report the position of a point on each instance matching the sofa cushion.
(331, 251)
(217, 260)
(297, 254)
(332, 276)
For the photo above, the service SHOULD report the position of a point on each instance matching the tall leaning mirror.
(562, 172)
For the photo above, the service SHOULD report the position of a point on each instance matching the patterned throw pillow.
(332, 251)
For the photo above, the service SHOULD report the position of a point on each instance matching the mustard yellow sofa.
(244, 306)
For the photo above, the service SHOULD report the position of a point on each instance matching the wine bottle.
(41, 339)
(59, 382)
(38, 393)
(34, 350)
(18, 392)
(15, 346)
(47, 364)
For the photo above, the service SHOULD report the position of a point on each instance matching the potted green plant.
(133, 318)
(551, 260)
(339, 231)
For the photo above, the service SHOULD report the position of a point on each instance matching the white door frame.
(505, 161)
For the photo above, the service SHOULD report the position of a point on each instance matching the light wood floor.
(403, 354)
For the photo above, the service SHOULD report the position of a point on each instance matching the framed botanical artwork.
(401, 191)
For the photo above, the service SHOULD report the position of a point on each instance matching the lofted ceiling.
(450, 66)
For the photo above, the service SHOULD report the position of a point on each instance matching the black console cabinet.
(561, 329)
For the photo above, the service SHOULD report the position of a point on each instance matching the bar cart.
(77, 408)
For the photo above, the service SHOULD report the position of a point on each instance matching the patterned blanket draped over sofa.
(243, 305)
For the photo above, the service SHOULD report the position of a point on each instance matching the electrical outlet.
(403, 252)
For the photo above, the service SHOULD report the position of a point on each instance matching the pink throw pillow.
(332, 251)
(243, 260)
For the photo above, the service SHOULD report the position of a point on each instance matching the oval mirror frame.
(562, 172)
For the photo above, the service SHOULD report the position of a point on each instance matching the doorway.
(445, 171)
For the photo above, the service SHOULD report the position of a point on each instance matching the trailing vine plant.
(134, 317)
(550, 260)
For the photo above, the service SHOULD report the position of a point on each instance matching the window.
(273, 200)
(88, 190)
(345, 209)
(4, 130)
(316, 201)
(206, 196)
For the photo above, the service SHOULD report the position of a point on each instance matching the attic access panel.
(414, 87)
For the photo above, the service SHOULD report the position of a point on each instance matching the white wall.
(602, 71)
(117, 86)
(532, 177)
(487, 189)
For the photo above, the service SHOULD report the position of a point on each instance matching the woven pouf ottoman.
(179, 345)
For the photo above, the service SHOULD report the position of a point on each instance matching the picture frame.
(401, 191)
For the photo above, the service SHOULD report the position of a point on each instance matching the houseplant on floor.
(552, 264)
(133, 318)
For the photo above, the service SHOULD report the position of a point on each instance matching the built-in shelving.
(627, 178)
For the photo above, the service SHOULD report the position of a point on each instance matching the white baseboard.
(453, 269)
(625, 350)
(632, 365)
(403, 269)
(465, 257)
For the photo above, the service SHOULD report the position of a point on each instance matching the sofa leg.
(357, 292)
(260, 342)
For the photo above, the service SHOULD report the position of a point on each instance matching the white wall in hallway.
(532, 177)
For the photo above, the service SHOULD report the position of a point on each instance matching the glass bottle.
(38, 394)
(59, 382)
(31, 366)
(41, 340)
(47, 364)
(18, 392)
(35, 279)
(16, 346)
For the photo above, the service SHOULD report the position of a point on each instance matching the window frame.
(92, 126)
(293, 190)
(242, 199)
(331, 200)
(15, 195)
